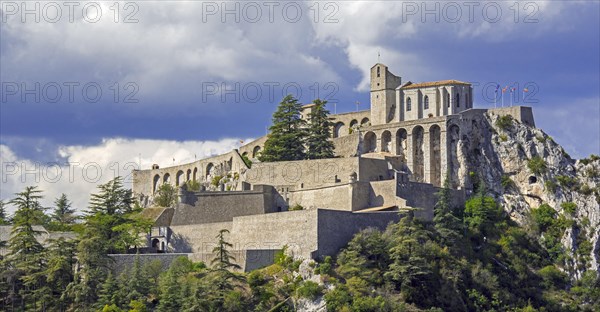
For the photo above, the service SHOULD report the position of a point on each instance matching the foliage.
(506, 182)
(537, 165)
(166, 195)
(567, 182)
(287, 134)
(247, 160)
(296, 207)
(504, 122)
(551, 186)
(309, 289)
(192, 185)
(318, 143)
(568, 207)
(4, 219)
(63, 215)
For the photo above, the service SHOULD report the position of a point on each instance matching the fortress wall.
(223, 206)
(125, 261)
(360, 195)
(336, 197)
(523, 114)
(197, 238)
(372, 169)
(144, 179)
(248, 148)
(310, 173)
(383, 193)
(296, 229)
(336, 228)
(346, 146)
(422, 195)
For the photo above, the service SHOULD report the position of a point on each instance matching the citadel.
(389, 159)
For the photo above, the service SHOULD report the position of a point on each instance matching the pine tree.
(138, 285)
(63, 215)
(4, 220)
(170, 298)
(59, 272)
(286, 139)
(446, 223)
(318, 141)
(25, 254)
(109, 209)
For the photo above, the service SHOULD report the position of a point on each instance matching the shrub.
(296, 207)
(166, 196)
(537, 165)
(309, 289)
(504, 122)
(551, 186)
(592, 173)
(543, 216)
(215, 180)
(193, 185)
(566, 181)
(503, 138)
(325, 267)
(507, 182)
(553, 277)
(586, 190)
(569, 207)
(247, 160)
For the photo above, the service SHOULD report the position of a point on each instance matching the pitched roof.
(160, 216)
(434, 84)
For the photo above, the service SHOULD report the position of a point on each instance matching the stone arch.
(370, 142)
(167, 178)
(386, 141)
(453, 166)
(195, 174)
(401, 144)
(210, 167)
(245, 154)
(435, 156)
(155, 183)
(364, 122)
(338, 129)
(353, 124)
(418, 155)
(255, 151)
(179, 178)
(188, 175)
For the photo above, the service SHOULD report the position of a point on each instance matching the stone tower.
(383, 95)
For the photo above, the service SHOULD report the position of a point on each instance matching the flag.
(512, 90)
(497, 87)
(504, 89)
(525, 90)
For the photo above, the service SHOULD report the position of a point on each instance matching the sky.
(91, 90)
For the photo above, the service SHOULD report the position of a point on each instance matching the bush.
(586, 190)
(537, 165)
(166, 196)
(504, 122)
(325, 267)
(247, 160)
(567, 181)
(551, 186)
(568, 207)
(592, 173)
(309, 289)
(553, 277)
(296, 207)
(541, 138)
(215, 180)
(503, 138)
(193, 185)
(507, 182)
(543, 216)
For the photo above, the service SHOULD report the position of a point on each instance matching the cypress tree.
(286, 139)
(318, 143)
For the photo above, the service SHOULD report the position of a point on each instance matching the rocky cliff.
(524, 168)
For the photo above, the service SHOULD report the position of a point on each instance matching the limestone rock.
(500, 156)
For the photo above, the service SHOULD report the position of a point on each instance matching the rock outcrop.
(524, 168)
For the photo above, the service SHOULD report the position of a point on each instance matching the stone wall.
(338, 197)
(523, 114)
(302, 173)
(125, 261)
(223, 206)
(423, 197)
(347, 146)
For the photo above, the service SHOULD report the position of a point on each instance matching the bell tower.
(383, 95)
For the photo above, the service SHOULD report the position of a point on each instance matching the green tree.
(446, 223)
(109, 209)
(63, 215)
(138, 284)
(166, 196)
(170, 297)
(59, 271)
(4, 220)
(286, 139)
(318, 143)
(482, 214)
(25, 252)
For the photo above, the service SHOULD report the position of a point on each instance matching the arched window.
(457, 100)
(408, 104)
(426, 102)
(378, 72)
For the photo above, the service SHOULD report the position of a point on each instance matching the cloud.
(82, 168)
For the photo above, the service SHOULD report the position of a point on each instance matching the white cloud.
(85, 167)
